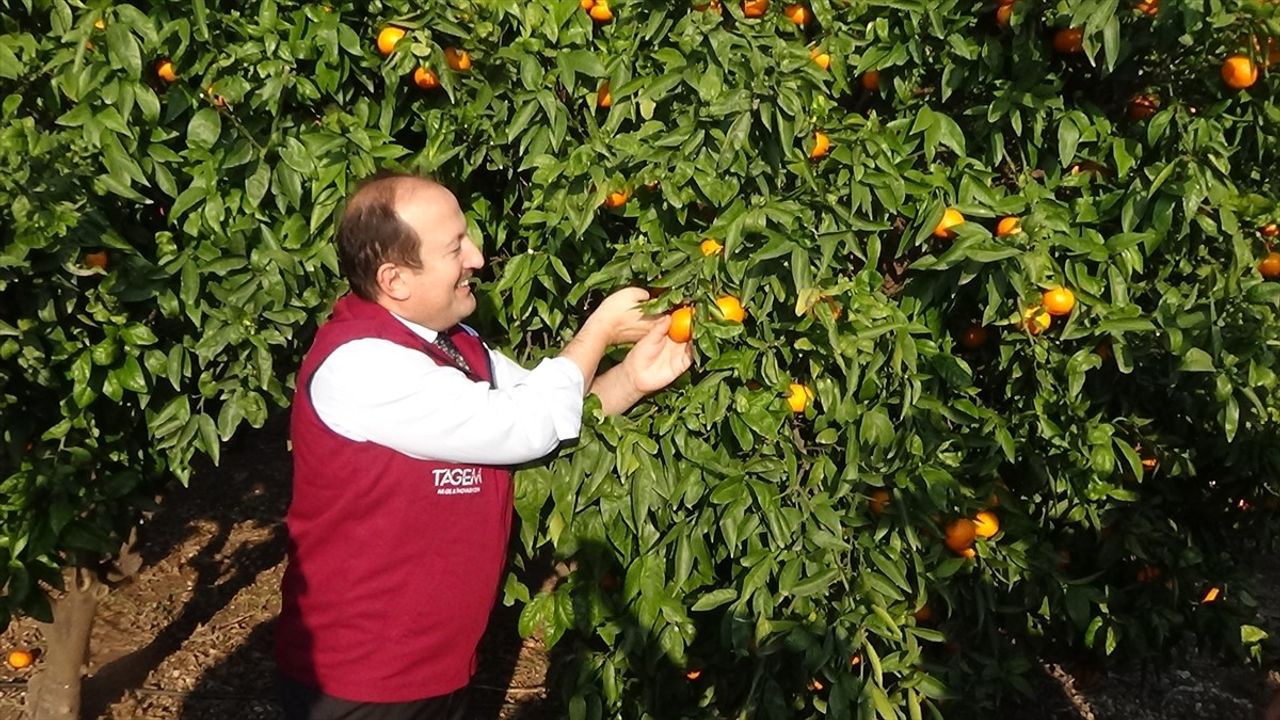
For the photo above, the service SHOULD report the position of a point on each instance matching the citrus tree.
(983, 298)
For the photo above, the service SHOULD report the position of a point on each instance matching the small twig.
(13, 685)
(235, 621)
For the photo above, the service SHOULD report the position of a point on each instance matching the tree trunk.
(53, 693)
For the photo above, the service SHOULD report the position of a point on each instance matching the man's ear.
(391, 281)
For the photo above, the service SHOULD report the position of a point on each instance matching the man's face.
(439, 295)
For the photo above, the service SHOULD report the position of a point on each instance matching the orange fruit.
(388, 38)
(586, 4)
(973, 337)
(693, 673)
(456, 59)
(951, 217)
(731, 308)
(425, 78)
(1211, 595)
(1058, 301)
(600, 12)
(1003, 13)
(986, 524)
(870, 80)
(755, 8)
(96, 260)
(1008, 226)
(618, 198)
(797, 13)
(798, 397)
(815, 685)
(681, 325)
(710, 247)
(1239, 72)
(20, 659)
(1035, 320)
(960, 535)
(165, 71)
(924, 614)
(1069, 41)
(821, 145)
(1149, 7)
(821, 59)
(1142, 107)
(969, 554)
(604, 99)
(1269, 266)
(1148, 573)
(879, 501)
(1270, 230)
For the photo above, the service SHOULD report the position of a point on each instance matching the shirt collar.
(421, 331)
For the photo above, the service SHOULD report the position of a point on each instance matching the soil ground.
(190, 637)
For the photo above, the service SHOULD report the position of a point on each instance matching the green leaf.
(715, 599)
(1196, 360)
(124, 50)
(816, 583)
(137, 334)
(1252, 635)
(130, 375)
(203, 129)
(1068, 139)
(209, 437)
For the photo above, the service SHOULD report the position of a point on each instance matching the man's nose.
(475, 259)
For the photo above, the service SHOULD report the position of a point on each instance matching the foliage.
(725, 557)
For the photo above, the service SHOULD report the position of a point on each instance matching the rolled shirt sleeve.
(373, 390)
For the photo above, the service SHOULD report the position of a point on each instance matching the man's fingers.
(659, 328)
(635, 294)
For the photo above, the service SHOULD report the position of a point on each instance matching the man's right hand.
(620, 319)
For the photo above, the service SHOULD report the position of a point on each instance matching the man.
(404, 427)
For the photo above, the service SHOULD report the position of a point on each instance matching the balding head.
(372, 230)
(403, 243)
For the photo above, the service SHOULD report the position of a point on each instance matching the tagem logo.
(457, 481)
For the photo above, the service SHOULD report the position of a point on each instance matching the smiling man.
(404, 429)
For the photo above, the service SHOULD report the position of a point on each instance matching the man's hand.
(656, 360)
(654, 363)
(620, 319)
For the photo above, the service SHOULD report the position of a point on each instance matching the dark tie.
(445, 344)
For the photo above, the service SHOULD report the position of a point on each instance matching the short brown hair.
(371, 232)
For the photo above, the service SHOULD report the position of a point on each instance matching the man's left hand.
(656, 360)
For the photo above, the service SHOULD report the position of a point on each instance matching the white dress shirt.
(373, 390)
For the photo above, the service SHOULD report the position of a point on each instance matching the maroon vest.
(394, 562)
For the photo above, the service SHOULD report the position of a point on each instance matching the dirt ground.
(163, 651)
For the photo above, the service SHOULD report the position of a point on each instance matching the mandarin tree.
(172, 171)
